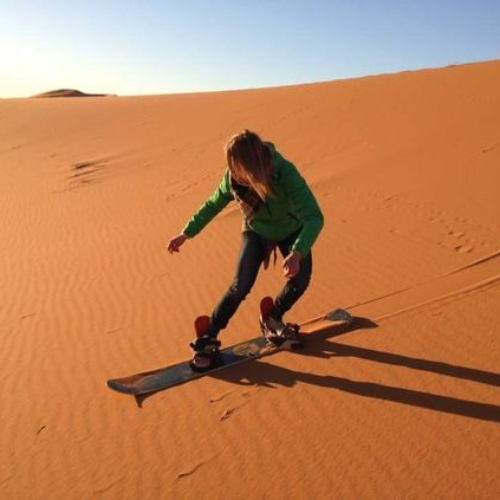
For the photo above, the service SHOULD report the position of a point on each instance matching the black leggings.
(252, 254)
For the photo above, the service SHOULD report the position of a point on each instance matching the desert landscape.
(404, 403)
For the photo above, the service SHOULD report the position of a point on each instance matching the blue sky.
(154, 47)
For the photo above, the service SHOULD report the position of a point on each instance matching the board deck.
(163, 378)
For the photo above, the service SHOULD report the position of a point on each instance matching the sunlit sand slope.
(405, 404)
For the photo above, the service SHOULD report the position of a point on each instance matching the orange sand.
(404, 405)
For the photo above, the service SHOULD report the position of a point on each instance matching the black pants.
(251, 257)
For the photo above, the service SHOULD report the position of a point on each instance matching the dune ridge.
(68, 93)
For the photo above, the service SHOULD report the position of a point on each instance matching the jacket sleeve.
(219, 199)
(305, 208)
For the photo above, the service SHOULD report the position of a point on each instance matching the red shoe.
(205, 347)
(283, 335)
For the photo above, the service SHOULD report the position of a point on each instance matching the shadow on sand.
(319, 345)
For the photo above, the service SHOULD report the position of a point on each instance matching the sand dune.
(405, 404)
(67, 93)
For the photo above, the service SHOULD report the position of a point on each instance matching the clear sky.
(131, 47)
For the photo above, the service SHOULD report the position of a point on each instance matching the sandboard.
(163, 378)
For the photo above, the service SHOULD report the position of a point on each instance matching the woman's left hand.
(291, 264)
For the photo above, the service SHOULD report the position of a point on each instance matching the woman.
(279, 210)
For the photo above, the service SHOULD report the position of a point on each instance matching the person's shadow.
(319, 345)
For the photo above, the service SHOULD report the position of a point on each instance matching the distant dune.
(404, 404)
(69, 93)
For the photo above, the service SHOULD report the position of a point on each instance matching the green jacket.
(293, 206)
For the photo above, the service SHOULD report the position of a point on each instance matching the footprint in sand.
(457, 234)
(84, 172)
(464, 248)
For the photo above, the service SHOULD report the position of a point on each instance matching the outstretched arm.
(219, 199)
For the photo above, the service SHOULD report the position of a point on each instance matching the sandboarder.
(279, 210)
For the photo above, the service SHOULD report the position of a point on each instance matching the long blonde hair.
(250, 162)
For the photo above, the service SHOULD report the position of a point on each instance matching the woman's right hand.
(176, 243)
